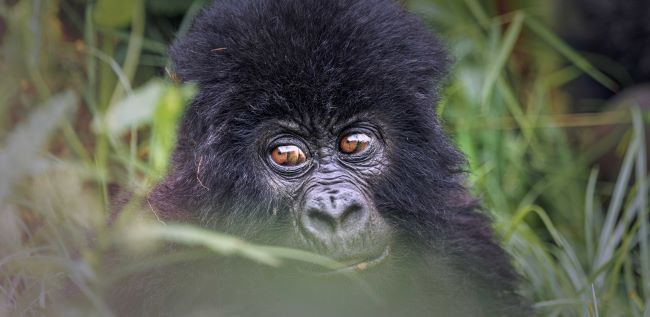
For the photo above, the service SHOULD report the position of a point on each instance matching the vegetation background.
(87, 107)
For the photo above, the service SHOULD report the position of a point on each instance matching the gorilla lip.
(363, 265)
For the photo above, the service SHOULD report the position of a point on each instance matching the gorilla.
(314, 128)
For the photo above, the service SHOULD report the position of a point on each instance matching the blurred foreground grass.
(84, 106)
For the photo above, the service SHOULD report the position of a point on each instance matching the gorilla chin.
(315, 128)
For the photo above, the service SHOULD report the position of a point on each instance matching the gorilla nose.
(343, 215)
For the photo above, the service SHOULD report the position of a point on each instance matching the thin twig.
(154, 212)
(198, 172)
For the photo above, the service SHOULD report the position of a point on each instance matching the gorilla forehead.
(279, 57)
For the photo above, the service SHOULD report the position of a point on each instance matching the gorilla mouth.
(357, 266)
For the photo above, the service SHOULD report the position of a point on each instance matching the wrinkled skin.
(315, 128)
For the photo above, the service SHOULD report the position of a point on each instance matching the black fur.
(317, 63)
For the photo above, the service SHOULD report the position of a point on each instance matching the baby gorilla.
(315, 128)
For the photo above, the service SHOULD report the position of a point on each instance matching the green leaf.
(168, 111)
(136, 109)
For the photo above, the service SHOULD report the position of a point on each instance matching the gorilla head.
(315, 128)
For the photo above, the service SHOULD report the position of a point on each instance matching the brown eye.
(354, 143)
(288, 155)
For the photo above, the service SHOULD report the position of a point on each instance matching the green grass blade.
(22, 146)
(642, 183)
(218, 242)
(589, 213)
(228, 245)
(569, 53)
(501, 59)
(478, 12)
(613, 212)
(594, 301)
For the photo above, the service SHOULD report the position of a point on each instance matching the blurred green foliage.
(580, 242)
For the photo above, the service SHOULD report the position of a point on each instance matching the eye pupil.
(354, 143)
(288, 155)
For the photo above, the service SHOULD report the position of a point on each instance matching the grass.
(84, 105)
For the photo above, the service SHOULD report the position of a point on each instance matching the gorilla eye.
(288, 155)
(354, 143)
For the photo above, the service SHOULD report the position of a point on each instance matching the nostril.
(320, 223)
(352, 217)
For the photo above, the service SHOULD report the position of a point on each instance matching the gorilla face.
(313, 127)
(327, 169)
